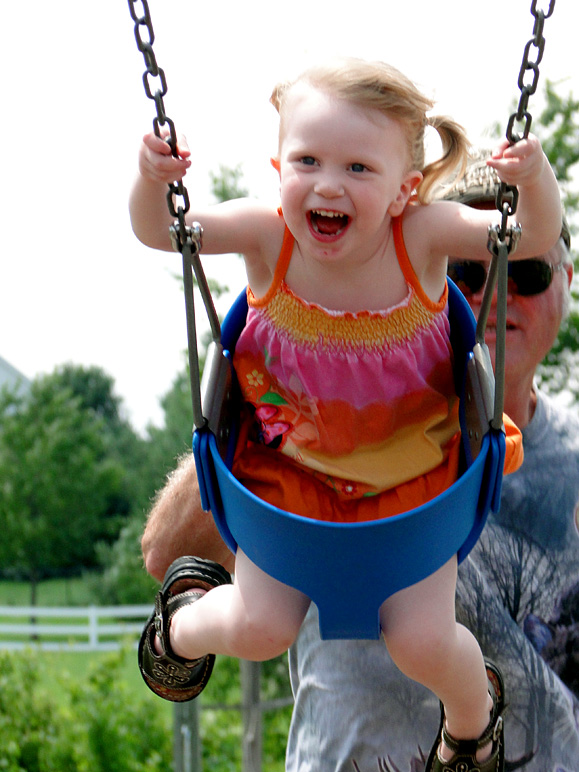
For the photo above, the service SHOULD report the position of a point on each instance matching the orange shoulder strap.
(408, 270)
(281, 267)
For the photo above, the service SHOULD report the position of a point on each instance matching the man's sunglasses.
(526, 277)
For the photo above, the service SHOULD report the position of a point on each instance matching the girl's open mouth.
(327, 225)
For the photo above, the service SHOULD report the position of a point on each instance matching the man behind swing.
(518, 591)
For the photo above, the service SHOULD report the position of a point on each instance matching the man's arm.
(177, 524)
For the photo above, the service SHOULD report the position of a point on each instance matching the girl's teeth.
(324, 213)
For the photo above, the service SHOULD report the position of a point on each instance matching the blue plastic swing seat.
(349, 569)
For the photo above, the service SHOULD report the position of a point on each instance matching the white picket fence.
(87, 628)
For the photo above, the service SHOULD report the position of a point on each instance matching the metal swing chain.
(185, 239)
(503, 240)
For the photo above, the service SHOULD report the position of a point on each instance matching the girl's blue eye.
(358, 168)
(308, 160)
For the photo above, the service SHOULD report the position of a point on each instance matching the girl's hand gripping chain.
(158, 164)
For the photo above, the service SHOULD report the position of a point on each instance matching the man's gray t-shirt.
(518, 591)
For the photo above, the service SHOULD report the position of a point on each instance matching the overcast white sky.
(75, 285)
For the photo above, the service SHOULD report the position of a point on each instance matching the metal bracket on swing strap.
(208, 399)
(484, 392)
(210, 395)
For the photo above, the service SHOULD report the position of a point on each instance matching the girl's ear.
(276, 164)
(408, 186)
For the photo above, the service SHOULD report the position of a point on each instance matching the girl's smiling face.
(344, 173)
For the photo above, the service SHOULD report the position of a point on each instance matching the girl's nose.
(329, 186)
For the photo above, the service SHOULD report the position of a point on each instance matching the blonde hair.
(379, 86)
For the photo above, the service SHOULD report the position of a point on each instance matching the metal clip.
(512, 238)
(182, 235)
(216, 393)
(479, 397)
(159, 627)
(498, 728)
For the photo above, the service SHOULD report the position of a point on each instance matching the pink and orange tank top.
(351, 416)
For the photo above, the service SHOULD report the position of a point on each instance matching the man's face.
(533, 321)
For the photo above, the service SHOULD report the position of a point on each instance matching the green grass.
(52, 592)
(63, 665)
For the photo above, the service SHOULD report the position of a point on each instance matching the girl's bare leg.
(428, 645)
(256, 618)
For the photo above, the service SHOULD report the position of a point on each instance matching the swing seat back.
(349, 569)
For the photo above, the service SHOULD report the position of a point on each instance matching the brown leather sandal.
(464, 759)
(168, 675)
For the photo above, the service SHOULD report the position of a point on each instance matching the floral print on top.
(364, 402)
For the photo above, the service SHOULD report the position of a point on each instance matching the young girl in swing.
(345, 365)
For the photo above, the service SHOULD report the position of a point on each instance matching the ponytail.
(455, 147)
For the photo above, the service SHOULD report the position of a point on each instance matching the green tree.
(227, 184)
(174, 438)
(56, 482)
(122, 580)
(96, 392)
(558, 128)
(94, 388)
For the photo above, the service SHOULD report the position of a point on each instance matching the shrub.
(98, 726)
(29, 722)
